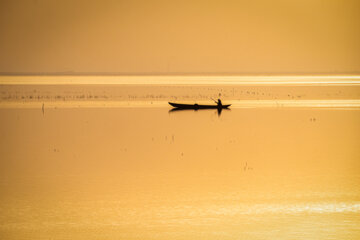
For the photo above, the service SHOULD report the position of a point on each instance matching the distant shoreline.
(219, 74)
(321, 80)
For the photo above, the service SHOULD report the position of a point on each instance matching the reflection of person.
(219, 103)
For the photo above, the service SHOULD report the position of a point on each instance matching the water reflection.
(218, 110)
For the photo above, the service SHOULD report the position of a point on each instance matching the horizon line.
(183, 80)
(72, 73)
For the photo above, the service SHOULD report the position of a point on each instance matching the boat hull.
(198, 106)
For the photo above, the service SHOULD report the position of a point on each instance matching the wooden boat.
(198, 106)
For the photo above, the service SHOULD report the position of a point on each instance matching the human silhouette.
(219, 103)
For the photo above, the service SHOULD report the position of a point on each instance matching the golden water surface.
(121, 166)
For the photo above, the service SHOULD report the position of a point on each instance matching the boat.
(198, 106)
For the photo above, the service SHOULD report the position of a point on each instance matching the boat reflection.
(219, 110)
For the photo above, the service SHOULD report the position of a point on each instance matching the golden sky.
(196, 36)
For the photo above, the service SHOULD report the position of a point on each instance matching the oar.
(214, 100)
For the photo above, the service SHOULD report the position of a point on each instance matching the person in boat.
(219, 103)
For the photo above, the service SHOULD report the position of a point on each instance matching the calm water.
(135, 170)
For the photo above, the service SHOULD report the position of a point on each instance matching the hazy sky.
(196, 36)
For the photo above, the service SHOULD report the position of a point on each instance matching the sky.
(180, 37)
